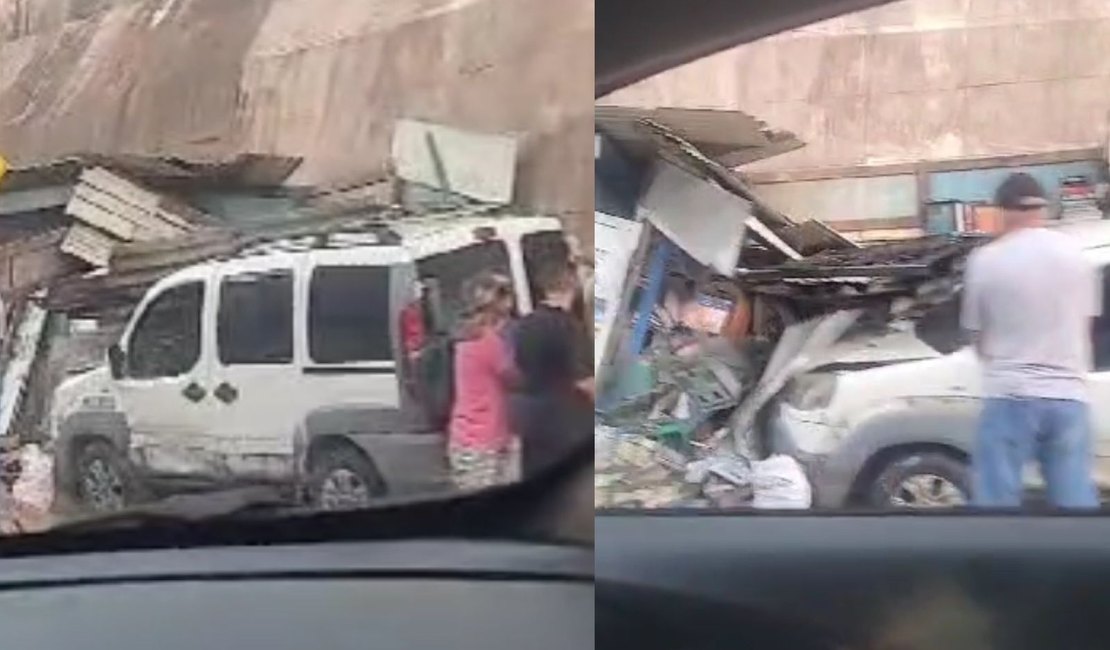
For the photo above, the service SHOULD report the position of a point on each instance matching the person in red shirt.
(414, 336)
(414, 332)
(479, 438)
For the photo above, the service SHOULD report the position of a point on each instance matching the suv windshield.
(311, 250)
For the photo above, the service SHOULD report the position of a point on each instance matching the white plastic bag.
(780, 483)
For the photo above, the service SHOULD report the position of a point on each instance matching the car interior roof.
(639, 38)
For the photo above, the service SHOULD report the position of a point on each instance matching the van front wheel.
(341, 477)
(922, 480)
(105, 481)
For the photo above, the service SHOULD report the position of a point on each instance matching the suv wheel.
(105, 481)
(342, 478)
(921, 480)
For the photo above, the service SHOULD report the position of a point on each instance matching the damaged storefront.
(735, 321)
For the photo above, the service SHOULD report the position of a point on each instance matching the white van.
(283, 366)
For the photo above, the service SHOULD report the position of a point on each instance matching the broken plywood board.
(123, 209)
(88, 244)
(135, 195)
(131, 222)
(478, 165)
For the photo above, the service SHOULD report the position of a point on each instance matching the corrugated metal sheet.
(731, 138)
(845, 199)
(161, 172)
(974, 185)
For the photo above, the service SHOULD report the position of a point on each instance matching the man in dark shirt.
(553, 410)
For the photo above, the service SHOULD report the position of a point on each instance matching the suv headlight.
(811, 391)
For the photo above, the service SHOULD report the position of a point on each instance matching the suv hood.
(896, 345)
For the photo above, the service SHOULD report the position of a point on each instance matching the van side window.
(348, 314)
(541, 249)
(454, 268)
(166, 339)
(255, 324)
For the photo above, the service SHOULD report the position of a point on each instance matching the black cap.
(1016, 188)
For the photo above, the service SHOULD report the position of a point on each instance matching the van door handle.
(226, 393)
(193, 392)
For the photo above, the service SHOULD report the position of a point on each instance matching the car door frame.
(1099, 378)
(156, 449)
(243, 453)
(382, 375)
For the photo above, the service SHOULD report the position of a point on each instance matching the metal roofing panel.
(243, 170)
(731, 138)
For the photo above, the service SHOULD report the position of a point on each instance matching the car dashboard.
(385, 595)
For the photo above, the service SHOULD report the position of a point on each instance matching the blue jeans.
(1013, 431)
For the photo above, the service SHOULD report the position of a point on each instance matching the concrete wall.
(323, 79)
(914, 80)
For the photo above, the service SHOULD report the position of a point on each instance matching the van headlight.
(811, 392)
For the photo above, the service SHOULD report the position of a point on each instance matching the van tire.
(105, 480)
(931, 474)
(341, 477)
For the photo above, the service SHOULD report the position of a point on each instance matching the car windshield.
(860, 264)
(336, 251)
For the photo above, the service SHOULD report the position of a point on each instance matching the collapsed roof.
(253, 171)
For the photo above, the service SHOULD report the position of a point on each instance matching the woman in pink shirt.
(479, 440)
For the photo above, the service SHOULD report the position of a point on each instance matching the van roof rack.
(348, 238)
(358, 229)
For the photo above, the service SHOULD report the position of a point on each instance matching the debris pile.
(679, 424)
(683, 417)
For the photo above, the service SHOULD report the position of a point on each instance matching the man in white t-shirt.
(1029, 300)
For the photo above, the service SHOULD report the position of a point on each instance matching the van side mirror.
(117, 361)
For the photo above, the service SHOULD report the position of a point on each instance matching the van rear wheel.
(341, 477)
(105, 480)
